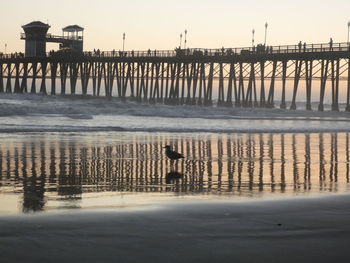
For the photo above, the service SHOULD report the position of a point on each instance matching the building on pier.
(36, 36)
(73, 37)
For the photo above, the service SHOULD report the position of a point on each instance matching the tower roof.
(73, 28)
(36, 24)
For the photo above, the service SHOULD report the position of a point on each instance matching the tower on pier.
(74, 35)
(35, 34)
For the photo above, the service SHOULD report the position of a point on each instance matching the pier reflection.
(240, 164)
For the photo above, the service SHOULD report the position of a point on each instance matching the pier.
(243, 77)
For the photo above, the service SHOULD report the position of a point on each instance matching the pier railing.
(243, 51)
(54, 37)
(259, 49)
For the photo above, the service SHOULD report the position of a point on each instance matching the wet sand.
(312, 229)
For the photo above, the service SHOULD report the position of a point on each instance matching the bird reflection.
(173, 177)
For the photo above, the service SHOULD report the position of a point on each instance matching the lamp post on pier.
(180, 40)
(185, 38)
(123, 42)
(266, 25)
(348, 30)
(253, 32)
(5, 48)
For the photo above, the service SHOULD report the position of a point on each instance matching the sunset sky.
(157, 24)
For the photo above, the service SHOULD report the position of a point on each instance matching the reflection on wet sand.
(215, 164)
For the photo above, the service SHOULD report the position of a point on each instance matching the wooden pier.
(242, 77)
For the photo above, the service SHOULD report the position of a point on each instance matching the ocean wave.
(84, 129)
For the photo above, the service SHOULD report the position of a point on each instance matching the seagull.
(172, 155)
(173, 176)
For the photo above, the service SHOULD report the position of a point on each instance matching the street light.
(123, 41)
(5, 48)
(185, 38)
(180, 40)
(266, 25)
(253, 32)
(348, 30)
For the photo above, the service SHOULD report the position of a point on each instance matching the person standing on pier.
(300, 45)
(331, 44)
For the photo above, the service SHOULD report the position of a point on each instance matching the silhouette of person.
(304, 46)
(299, 45)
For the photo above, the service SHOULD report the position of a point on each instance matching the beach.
(93, 183)
(308, 229)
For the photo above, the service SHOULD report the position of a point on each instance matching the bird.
(173, 177)
(172, 155)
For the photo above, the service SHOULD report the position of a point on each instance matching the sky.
(157, 24)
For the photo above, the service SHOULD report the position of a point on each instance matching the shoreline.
(302, 229)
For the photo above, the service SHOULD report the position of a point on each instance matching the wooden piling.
(284, 79)
(53, 68)
(298, 67)
(34, 76)
(270, 99)
(335, 84)
(324, 76)
(309, 72)
(17, 88)
(43, 78)
(262, 85)
(1, 79)
(348, 89)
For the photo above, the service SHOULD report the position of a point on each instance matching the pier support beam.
(43, 78)
(221, 98)
(270, 98)
(1, 79)
(240, 95)
(335, 85)
(308, 71)
(231, 79)
(34, 74)
(249, 95)
(348, 89)
(94, 78)
(324, 76)
(24, 87)
(73, 73)
(9, 77)
(189, 82)
(85, 69)
(17, 88)
(53, 68)
(284, 80)
(262, 85)
(195, 83)
(298, 66)
(63, 70)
